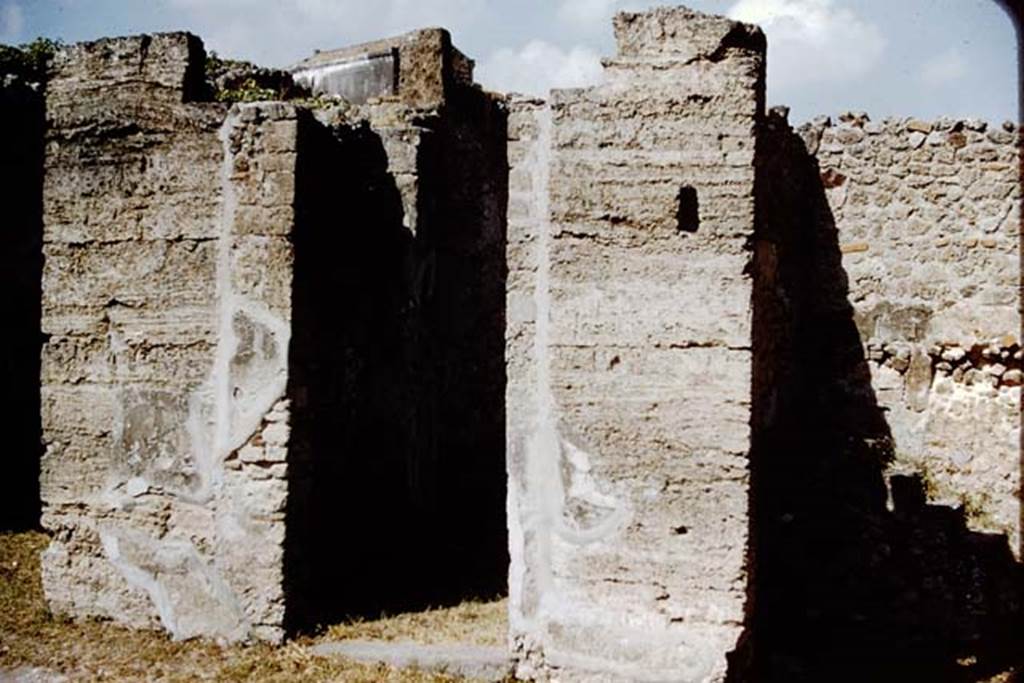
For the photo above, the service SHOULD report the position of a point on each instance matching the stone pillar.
(630, 360)
(166, 298)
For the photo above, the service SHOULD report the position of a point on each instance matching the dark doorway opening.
(21, 194)
(397, 478)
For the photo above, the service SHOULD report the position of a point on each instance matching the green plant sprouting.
(29, 60)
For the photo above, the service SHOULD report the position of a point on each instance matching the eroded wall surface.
(630, 356)
(757, 384)
(886, 487)
(927, 216)
(166, 300)
(265, 322)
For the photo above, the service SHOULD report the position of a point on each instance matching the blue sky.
(886, 57)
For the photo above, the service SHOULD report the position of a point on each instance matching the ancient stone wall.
(927, 216)
(21, 194)
(630, 355)
(409, 234)
(468, 187)
(875, 549)
(166, 304)
(268, 318)
(757, 389)
(361, 378)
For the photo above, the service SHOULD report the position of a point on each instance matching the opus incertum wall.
(887, 487)
(928, 222)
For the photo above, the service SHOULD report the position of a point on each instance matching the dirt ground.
(99, 651)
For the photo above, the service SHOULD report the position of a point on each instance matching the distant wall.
(630, 355)
(419, 68)
(928, 221)
(467, 186)
(359, 376)
(885, 495)
(22, 116)
(399, 327)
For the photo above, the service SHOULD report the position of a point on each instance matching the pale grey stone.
(470, 661)
(27, 674)
(136, 486)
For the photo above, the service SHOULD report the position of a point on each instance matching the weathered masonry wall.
(265, 322)
(630, 355)
(21, 176)
(927, 216)
(414, 429)
(166, 301)
(757, 390)
(877, 553)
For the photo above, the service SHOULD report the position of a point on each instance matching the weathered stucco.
(166, 302)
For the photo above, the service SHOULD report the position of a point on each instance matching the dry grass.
(97, 651)
(476, 623)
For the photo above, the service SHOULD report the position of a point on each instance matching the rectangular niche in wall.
(688, 210)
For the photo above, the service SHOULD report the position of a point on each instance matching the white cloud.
(944, 68)
(12, 22)
(586, 13)
(278, 32)
(813, 40)
(539, 66)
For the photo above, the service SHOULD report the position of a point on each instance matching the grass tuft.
(101, 651)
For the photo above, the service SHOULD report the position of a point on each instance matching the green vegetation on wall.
(30, 60)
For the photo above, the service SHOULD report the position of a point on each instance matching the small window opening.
(688, 212)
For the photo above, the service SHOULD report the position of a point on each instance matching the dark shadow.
(847, 587)
(396, 478)
(21, 194)
(687, 210)
(1015, 12)
(469, 183)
